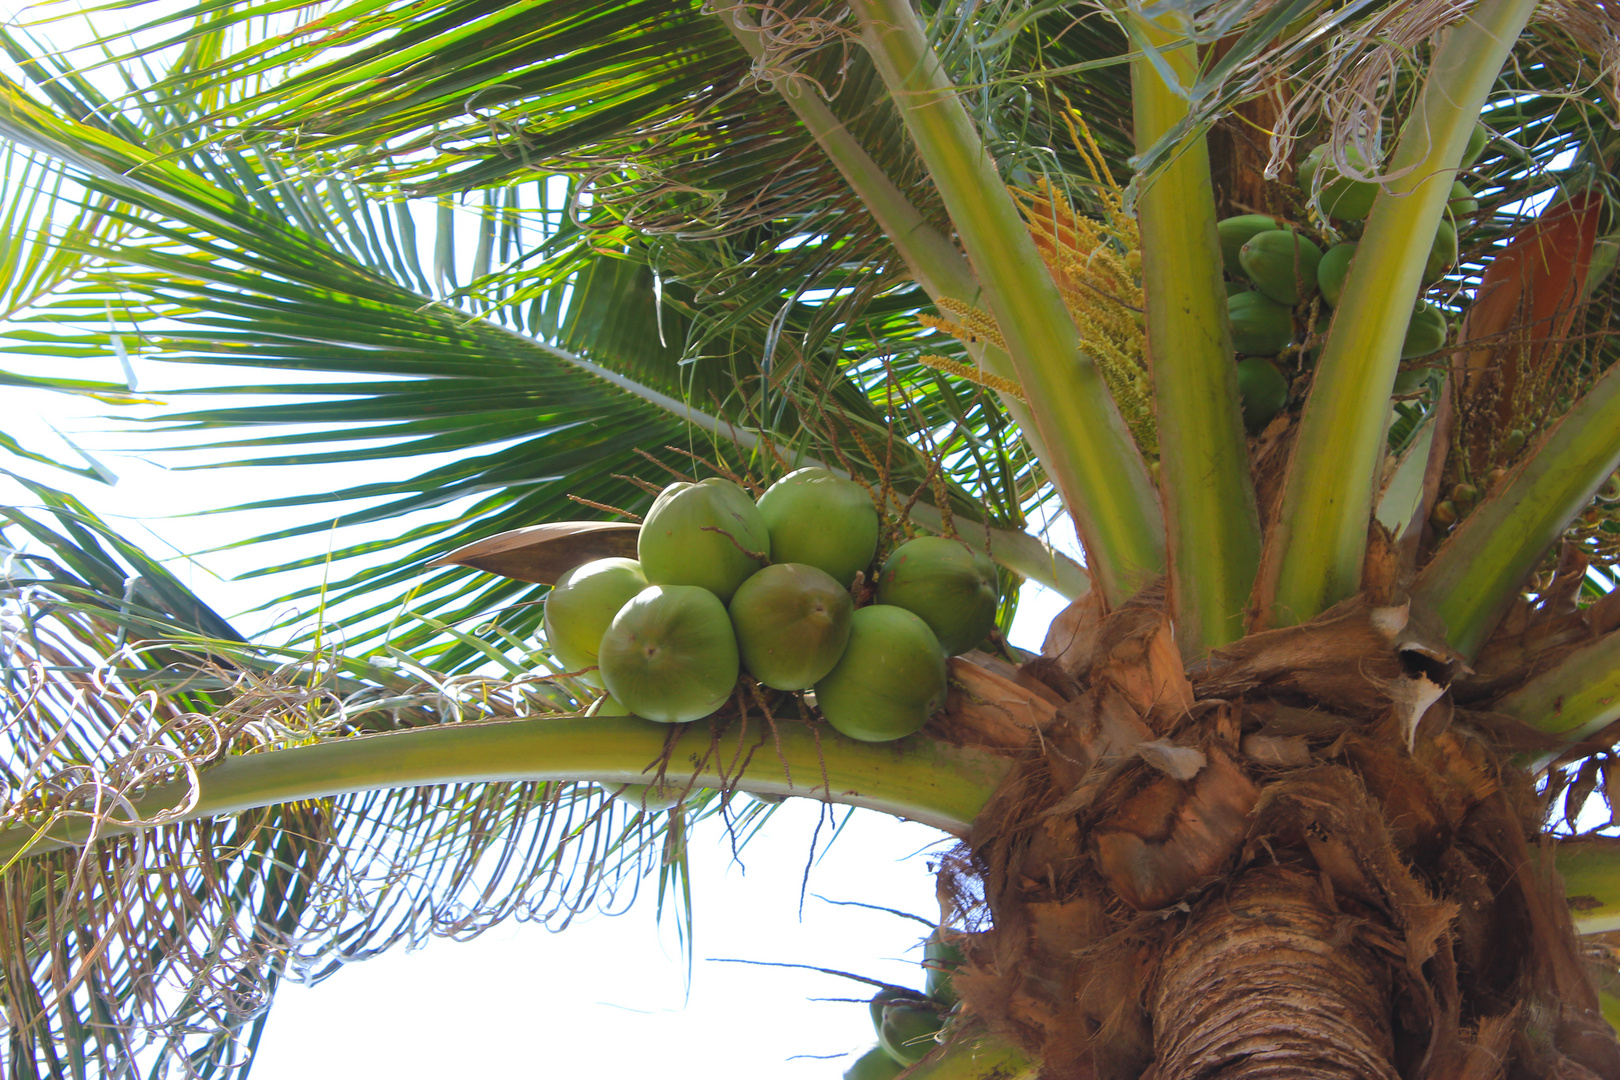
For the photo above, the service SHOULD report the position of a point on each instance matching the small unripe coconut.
(1234, 232)
(1333, 269)
(1444, 515)
(1342, 197)
(1513, 442)
(1477, 141)
(1260, 325)
(889, 681)
(908, 1031)
(1461, 203)
(941, 958)
(823, 521)
(1464, 496)
(670, 654)
(1425, 333)
(582, 604)
(951, 586)
(1263, 390)
(1282, 264)
(792, 623)
(702, 534)
(875, 1064)
(1442, 253)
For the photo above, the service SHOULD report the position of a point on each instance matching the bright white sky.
(607, 996)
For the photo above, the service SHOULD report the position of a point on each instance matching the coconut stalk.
(1576, 699)
(1211, 521)
(1315, 553)
(930, 781)
(1091, 456)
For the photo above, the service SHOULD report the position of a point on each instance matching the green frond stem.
(1017, 551)
(1576, 699)
(1488, 560)
(1590, 868)
(930, 257)
(1315, 553)
(980, 1056)
(1210, 515)
(921, 779)
(1091, 456)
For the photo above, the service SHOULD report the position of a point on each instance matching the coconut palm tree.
(1276, 798)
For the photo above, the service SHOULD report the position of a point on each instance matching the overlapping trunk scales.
(1271, 979)
(1301, 859)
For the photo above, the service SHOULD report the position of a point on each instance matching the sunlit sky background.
(609, 996)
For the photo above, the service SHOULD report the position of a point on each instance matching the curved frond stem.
(1091, 456)
(931, 258)
(1575, 699)
(1483, 566)
(1211, 520)
(1314, 555)
(921, 779)
(1590, 868)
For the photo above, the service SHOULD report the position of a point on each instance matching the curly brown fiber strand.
(1270, 979)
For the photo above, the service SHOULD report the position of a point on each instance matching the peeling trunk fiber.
(1271, 979)
(1300, 860)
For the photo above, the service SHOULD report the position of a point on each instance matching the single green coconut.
(1461, 203)
(949, 585)
(908, 1031)
(941, 958)
(1234, 232)
(1442, 253)
(703, 534)
(1333, 269)
(875, 1064)
(1260, 325)
(1263, 389)
(582, 604)
(670, 654)
(889, 681)
(1342, 197)
(1477, 141)
(1425, 333)
(792, 623)
(882, 999)
(1282, 264)
(823, 521)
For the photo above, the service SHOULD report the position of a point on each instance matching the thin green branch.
(1576, 699)
(1315, 553)
(930, 781)
(1484, 565)
(1209, 501)
(1091, 456)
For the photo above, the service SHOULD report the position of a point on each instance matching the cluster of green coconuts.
(722, 585)
(1277, 273)
(908, 1023)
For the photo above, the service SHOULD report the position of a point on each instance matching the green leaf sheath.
(1091, 457)
(1315, 554)
(1475, 576)
(921, 779)
(1590, 868)
(1576, 699)
(1209, 505)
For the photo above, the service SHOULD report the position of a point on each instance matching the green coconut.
(1333, 269)
(1477, 141)
(582, 604)
(1234, 232)
(670, 654)
(702, 534)
(1282, 264)
(1263, 389)
(1342, 197)
(792, 623)
(1442, 253)
(875, 1064)
(1425, 333)
(949, 585)
(1260, 325)
(941, 958)
(1461, 203)
(823, 521)
(889, 681)
(882, 999)
(908, 1031)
